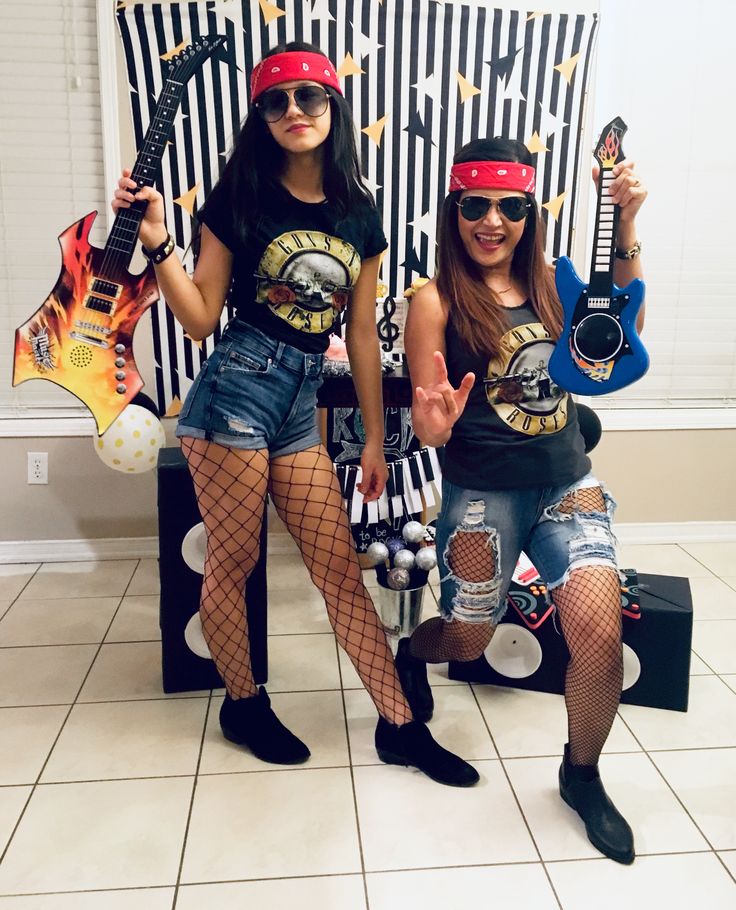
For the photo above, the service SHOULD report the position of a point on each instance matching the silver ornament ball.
(377, 552)
(413, 531)
(404, 559)
(426, 558)
(398, 579)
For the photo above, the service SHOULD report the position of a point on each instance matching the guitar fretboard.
(122, 239)
(606, 223)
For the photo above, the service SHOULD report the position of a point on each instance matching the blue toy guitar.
(599, 350)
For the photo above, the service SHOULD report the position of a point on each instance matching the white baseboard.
(17, 551)
(643, 532)
(25, 551)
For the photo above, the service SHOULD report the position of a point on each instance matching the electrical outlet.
(38, 467)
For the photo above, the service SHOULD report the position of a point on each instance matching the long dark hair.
(251, 175)
(473, 308)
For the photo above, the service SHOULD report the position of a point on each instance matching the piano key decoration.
(410, 478)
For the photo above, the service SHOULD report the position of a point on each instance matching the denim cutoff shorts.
(254, 392)
(511, 521)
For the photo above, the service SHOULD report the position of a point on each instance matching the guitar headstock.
(182, 66)
(609, 150)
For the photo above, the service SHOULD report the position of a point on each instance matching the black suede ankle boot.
(412, 744)
(582, 789)
(413, 677)
(251, 722)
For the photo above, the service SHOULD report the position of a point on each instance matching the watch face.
(306, 277)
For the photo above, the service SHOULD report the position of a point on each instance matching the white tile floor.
(114, 796)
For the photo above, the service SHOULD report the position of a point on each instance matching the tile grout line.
(352, 776)
(516, 798)
(64, 722)
(191, 802)
(669, 786)
(14, 600)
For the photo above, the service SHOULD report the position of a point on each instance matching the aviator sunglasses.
(312, 101)
(512, 208)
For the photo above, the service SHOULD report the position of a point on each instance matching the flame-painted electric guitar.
(599, 349)
(81, 337)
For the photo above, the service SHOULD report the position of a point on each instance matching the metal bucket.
(400, 612)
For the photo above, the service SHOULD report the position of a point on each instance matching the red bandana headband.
(492, 175)
(289, 66)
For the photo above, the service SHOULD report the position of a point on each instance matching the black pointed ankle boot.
(582, 789)
(251, 722)
(412, 744)
(413, 677)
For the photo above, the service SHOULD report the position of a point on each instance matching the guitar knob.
(120, 375)
(119, 348)
(121, 389)
(119, 362)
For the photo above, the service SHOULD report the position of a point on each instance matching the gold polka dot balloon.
(131, 443)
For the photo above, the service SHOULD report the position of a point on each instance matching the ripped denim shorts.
(555, 526)
(254, 392)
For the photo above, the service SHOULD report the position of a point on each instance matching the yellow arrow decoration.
(179, 47)
(567, 67)
(554, 205)
(375, 130)
(349, 67)
(535, 144)
(270, 11)
(467, 89)
(174, 408)
(187, 200)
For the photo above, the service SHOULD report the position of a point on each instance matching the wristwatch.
(629, 254)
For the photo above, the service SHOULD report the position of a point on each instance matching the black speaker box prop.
(528, 650)
(179, 522)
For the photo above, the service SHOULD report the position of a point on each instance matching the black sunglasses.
(513, 208)
(312, 101)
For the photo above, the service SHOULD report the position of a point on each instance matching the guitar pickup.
(107, 288)
(92, 327)
(99, 304)
(599, 303)
(88, 339)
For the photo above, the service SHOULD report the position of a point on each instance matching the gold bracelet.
(629, 254)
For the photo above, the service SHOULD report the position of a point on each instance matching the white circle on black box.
(195, 639)
(632, 668)
(514, 651)
(194, 547)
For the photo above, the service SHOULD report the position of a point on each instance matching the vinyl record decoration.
(185, 659)
(528, 650)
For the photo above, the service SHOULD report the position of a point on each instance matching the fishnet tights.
(231, 487)
(589, 606)
(307, 497)
(470, 557)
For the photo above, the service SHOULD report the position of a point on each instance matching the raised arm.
(629, 194)
(436, 404)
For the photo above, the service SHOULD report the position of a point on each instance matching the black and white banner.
(421, 76)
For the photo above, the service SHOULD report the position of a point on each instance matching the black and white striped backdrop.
(421, 76)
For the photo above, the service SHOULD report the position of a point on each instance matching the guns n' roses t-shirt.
(301, 262)
(519, 428)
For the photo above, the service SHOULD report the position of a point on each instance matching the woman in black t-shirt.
(516, 475)
(291, 232)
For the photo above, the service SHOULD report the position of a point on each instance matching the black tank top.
(519, 428)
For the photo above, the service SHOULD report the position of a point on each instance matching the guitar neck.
(124, 234)
(604, 239)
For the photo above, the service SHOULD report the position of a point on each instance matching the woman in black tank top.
(516, 475)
